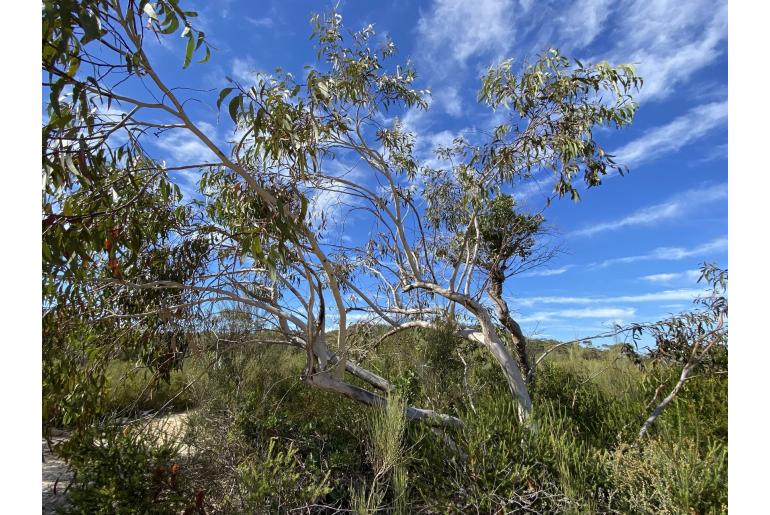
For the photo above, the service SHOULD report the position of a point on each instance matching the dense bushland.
(259, 440)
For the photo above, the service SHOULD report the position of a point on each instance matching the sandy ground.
(57, 476)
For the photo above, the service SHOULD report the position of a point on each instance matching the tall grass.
(386, 455)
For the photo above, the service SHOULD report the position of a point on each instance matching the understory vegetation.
(259, 440)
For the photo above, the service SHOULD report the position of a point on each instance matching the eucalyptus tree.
(122, 247)
(109, 210)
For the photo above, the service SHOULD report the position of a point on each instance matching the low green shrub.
(669, 477)
(126, 470)
(386, 455)
(275, 480)
(255, 415)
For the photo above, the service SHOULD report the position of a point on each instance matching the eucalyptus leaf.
(189, 49)
(149, 10)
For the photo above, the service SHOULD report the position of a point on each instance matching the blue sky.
(632, 246)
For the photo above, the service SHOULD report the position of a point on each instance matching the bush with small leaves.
(129, 470)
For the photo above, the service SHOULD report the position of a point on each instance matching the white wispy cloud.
(543, 316)
(332, 202)
(675, 207)
(328, 205)
(670, 40)
(184, 147)
(584, 21)
(427, 142)
(263, 23)
(670, 253)
(244, 70)
(689, 275)
(111, 115)
(667, 40)
(659, 296)
(596, 312)
(675, 306)
(457, 30)
(448, 99)
(569, 26)
(674, 135)
(547, 272)
(415, 119)
(716, 153)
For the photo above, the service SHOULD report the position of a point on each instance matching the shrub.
(385, 454)
(254, 416)
(125, 471)
(274, 480)
(262, 441)
(597, 414)
(669, 477)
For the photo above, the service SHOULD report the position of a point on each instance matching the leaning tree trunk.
(511, 370)
(495, 291)
(326, 381)
(491, 340)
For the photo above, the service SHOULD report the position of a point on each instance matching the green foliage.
(582, 456)
(590, 401)
(132, 390)
(604, 415)
(697, 337)
(507, 467)
(73, 373)
(441, 348)
(253, 402)
(125, 471)
(110, 213)
(386, 456)
(554, 107)
(386, 429)
(683, 418)
(100, 197)
(669, 477)
(506, 233)
(273, 481)
(260, 440)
